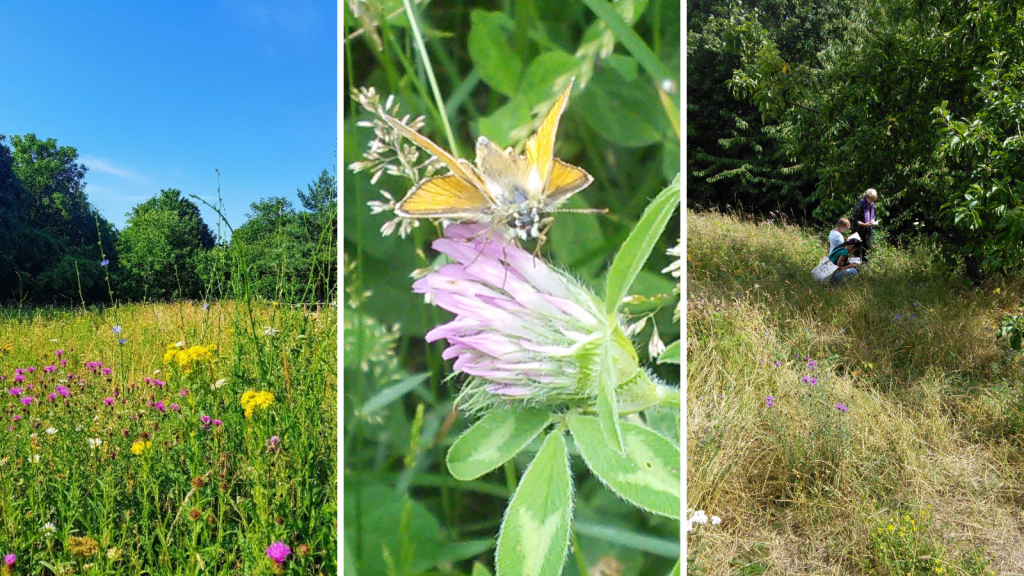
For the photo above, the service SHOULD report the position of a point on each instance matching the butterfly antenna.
(582, 210)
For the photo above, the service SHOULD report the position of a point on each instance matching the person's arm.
(844, 263)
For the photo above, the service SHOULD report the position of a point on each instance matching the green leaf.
(493, 440)
(637, 247)
(607, 403)
(638, 119)
(671, 354)
(499, 66)
(392, 393)
(535, 532)
(647, 474)
(480, 570)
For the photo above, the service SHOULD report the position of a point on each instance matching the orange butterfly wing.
(459, 167)
(565, 180)
(447, 196)
(540, 148)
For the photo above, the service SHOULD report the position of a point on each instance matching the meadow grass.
(891, 443)
(135, 454)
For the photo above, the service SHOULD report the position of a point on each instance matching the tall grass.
(912, 410)
(136, 454)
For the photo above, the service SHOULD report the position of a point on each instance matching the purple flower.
(841, 407)
(769, 401)
(160, 406)
(10, 559)
(19, 377)
(777, 363)
(522, 330)
(811, 365)
(217, 423)
(16, 417)
(278, 552)
(183, 393)
(63, 391)
(175, 407)
(63, 361)
(107, 370)
(51, 396)
(27, 400)
(805, 379)
(122, 341)
(117, 329)
(58, 353)
(814, 381)
(104, 262)
(15, 391)
(273, 444)
(108, 401)
(50, 368)
(31, 369)
(205, 420)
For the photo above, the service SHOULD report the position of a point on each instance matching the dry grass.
(907, 346)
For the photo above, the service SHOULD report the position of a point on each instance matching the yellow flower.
(252, 400)
(186, 358)
(891, 527)
(139, 446)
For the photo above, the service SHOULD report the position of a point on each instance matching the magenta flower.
(814, 381)
(16, 417)
(183, 393)
(63, 391)
(769, 401)
(805, 379)
(50, 368)
(31, 369)
(15, 391)
(108, 401)
(10, 559)
(523, 332)
(218, 423)
(278, 552)
(161, 407)
(51, 396)
(63, 361)
(811, 365)
(19, 377)
(273, 444)
(107, 370)
(841, 407)
(59, 353)
(205, 420)
(27, 400)
(777, 363)
(175, 407)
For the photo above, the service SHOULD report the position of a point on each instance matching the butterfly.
(503, 188)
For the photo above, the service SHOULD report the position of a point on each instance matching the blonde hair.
(871, 193)
(843, 222)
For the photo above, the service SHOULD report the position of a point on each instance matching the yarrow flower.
(524, 332)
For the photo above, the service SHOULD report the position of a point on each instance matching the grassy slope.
(907, 346)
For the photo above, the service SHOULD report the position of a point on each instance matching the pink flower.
(523, 331)
(59, 353)
(278, 552)
(50, 368)
(15, 391)
(769, 401)
(27, 400)
(175, 407)
(108, 401)
(183, 393)
(63, 391)
(107, 370)
(51, 396)
(841, 407)
(10, 559)
(19, 377)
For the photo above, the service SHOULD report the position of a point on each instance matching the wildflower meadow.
(174, 438)
(870, 429)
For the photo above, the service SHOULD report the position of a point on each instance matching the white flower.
(179, 344)
(699, 517)
(218, 383)
(53, 339)
(269, 331)
(35, 459)
(33, 435)
(715, 520)
(94, 442)
(157, 371)
(49, 528)
(51, 430)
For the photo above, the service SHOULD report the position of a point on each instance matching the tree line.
(56, 248)
(799, 106)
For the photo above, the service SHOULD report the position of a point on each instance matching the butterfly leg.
(542, 237)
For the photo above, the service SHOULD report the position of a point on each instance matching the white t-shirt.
(835, 238)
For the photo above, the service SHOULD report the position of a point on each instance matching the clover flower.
(524, 333)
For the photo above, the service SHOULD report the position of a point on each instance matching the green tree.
(162, 248)
(890, 105)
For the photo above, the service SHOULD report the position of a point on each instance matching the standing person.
(841, 257)
(864, 220)
(835, 237)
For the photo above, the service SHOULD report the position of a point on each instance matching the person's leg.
(841, 275)
(865, 247)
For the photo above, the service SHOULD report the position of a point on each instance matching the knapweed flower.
(108, 401)
(63, 391)
(15, 391)
(139, 446)
(58, 353)
(769, 401)
(273, 444)
(174, 407)
(117, 329)
(806, 379)
(777, 363)
(841, 407)
(525, 333)
(50, 368)
(814, 381)
(811, 365)
(278, 552)
(27, 400)
(10, 559)
(252, 400)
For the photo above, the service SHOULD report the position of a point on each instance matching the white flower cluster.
(699, 517)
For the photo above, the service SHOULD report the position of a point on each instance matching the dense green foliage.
(58, 249)
(497, 67)
(916, 98)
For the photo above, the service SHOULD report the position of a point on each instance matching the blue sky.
(158, 95)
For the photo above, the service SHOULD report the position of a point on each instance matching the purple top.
(865, 214)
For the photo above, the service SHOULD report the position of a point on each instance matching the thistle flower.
(278, 552)
(524, 333)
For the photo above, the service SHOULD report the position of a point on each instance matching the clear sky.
(158, 95)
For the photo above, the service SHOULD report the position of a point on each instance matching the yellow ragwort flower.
(139, 446)
(252, 400)
(187, 358)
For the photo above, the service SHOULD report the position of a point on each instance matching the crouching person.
(841, 257)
